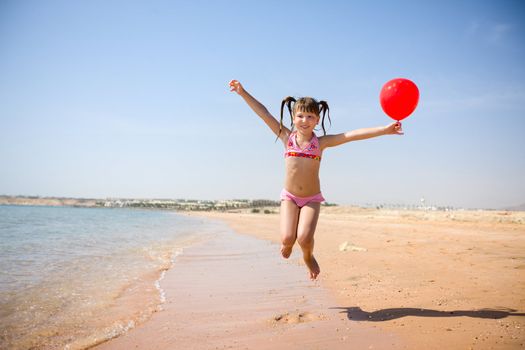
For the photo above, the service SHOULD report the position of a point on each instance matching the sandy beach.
(389, 279)
(234, 292)
(453, 280)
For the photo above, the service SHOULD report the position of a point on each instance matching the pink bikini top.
(311, 150)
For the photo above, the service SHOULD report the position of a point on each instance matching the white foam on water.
(162, 293)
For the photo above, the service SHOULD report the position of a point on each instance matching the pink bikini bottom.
(301, 201)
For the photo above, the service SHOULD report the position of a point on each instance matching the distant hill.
(520, 207)
(48, 201)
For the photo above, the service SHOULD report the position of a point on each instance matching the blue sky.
(130, 98)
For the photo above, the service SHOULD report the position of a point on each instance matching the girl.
(301, 197)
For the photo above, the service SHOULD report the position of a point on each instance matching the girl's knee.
(305, 241)
(288, 240)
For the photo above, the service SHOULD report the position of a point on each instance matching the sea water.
(74, 277)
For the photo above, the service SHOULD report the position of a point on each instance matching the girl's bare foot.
(286, 251)
(313, 266)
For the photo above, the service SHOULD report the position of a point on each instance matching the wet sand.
(436, 280)
(236, 292)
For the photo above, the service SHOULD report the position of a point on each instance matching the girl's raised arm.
(260, 110)
(360, 134)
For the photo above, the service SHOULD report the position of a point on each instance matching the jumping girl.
(301, 197)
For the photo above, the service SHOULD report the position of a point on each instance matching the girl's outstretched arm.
(360, 134)
(260, 110)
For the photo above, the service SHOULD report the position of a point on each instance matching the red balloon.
(399, 98)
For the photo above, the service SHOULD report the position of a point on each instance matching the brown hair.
(304, 104)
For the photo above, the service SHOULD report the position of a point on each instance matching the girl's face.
(305, 121)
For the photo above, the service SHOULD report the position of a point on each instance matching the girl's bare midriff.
(302, 176)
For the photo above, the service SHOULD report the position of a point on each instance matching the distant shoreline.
(163, 204)
(47, 201)
(257, 205)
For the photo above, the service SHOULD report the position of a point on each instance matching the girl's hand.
(236, 86)
(394, 129)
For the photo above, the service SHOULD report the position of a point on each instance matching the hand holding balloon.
(399, 98)
(394, 128)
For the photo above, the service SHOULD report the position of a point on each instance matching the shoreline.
(389, 279)
(235, 291)
(228, 205)
(101, 274)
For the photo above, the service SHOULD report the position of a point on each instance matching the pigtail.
(323, 108)
(288, 102)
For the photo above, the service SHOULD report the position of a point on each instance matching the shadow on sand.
(356, 314)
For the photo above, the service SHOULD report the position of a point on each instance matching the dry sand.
(438, 280)
(389, 279)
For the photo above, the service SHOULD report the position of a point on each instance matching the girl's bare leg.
(308, 217)
(289, 219)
